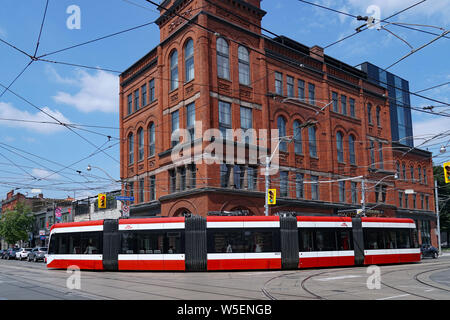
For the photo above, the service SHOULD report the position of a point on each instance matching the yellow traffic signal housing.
(102, 201)
(447, 172)
(272, 196)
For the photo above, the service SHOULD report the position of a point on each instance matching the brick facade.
(288, 83)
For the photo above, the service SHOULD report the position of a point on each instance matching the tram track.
(415, 278)
(32, 280)
(314, 295)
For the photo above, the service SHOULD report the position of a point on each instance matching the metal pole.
(363, 197)
(266, 206)
(436, 197)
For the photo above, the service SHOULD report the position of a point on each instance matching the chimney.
(316, 52)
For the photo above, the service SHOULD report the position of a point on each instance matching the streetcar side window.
(152, 242)
(129, 242)
(225, 241)
(262, 240)
(77, 243)
(325, 239)
(243, 240)
(375, 238)
(403, 238)
(344, 239)
(306, 240)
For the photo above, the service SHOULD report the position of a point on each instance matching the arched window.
(378, 116)
(130, 148)
(244, 66)
(298, 137)
(140, 134)
(174, 70)
(351, 148)
(404, 171)
(282, 132)
(425, 180)
(398, 169)
(340, 146)
(151, 139)
(223, 61)
(369, 113)
(419, 175)
(412, 173)
(189, 60)
(312, 141)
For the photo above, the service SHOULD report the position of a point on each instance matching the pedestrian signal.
(102, 201)
(272, 196)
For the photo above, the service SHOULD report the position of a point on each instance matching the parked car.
(1, 253)
(37, 254)
(429, 251)
(10, 254)
(22, 253)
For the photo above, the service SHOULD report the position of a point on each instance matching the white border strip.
(391, 251)
(388, 225)
(242, 256)
(151, 226)
(323, 224)
(77, 229)
(323, 254)
(96, 257)
(150, 257)
(243, 224)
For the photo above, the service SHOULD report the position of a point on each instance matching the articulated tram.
(195, 243)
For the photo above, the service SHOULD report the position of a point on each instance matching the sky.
(32, 149)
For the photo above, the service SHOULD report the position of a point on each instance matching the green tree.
(444, 198)
(16, 224)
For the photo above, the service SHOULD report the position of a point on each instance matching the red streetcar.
(232, 243)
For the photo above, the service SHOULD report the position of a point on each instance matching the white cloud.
(429, 128)
(3, 33)
(438, 9)
(98, 92)
(43, 174)
(8, 111)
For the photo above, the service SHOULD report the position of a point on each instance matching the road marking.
(393, 297)
(338, 278)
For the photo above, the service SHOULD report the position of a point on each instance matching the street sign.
(58, 214)
(121, 198)
(126, 211)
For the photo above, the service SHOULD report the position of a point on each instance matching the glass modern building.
(399, 101)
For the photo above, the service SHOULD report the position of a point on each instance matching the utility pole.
(436, 199)
(266, 206)
(363, 197)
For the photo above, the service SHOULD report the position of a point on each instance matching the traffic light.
(272, 196)
(102, 201)
(447, 172)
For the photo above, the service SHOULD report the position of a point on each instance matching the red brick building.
(214, 66)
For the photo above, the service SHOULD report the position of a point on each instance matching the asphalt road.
(427, 280)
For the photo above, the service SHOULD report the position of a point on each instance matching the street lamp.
(89, 168)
